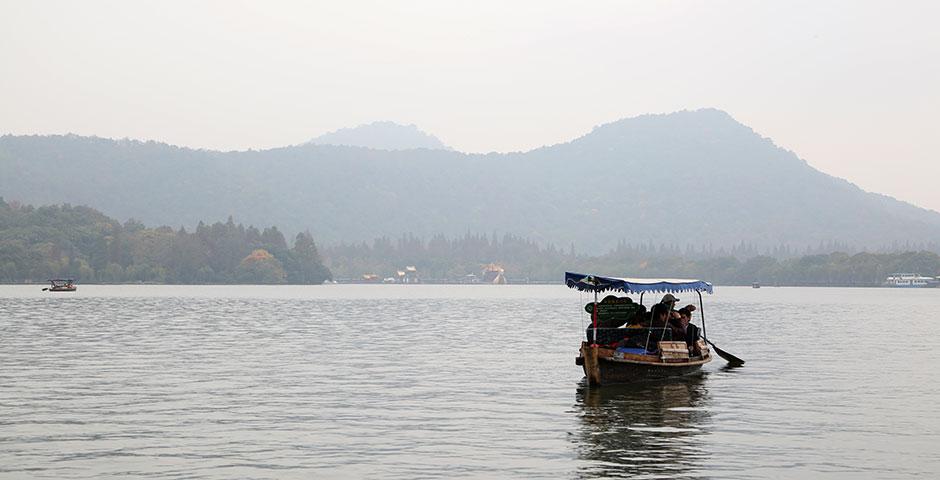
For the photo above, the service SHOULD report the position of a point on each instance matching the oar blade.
(731, 359)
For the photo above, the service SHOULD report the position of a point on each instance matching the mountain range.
(685, 178)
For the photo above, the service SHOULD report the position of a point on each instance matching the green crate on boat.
(613, 312)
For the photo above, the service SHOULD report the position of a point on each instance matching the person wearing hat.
(668, 303)
(669, 299)
(662, 313)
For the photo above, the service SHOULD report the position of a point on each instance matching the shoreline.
(443, 283)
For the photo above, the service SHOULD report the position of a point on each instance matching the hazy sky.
(852, 87)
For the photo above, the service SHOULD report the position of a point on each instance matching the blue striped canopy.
(597, 283)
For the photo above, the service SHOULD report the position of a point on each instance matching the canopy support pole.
(701, 309)
(594, 330)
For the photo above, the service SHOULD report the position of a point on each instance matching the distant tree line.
(832, 269)
(38, 243)
(451, 259)
(442, 258)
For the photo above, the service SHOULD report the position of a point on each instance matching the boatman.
(662, 314)
(669, 301)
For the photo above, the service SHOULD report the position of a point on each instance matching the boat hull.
(603, 367)
(62, 289)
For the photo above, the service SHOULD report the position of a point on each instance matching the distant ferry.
(910, 280)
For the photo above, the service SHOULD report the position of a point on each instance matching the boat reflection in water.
(643, 430)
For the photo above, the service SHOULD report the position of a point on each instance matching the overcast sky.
(852, 87)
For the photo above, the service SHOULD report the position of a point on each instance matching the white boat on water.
(910, 280)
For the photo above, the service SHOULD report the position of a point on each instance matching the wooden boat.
(61, 285)
(606, 363)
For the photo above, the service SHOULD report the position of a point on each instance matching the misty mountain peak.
(382, 136)
(703, 123)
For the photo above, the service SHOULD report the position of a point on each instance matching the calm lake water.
(355, 381)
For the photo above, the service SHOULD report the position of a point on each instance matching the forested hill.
(694, 177)
(382, 136)
(81, 243)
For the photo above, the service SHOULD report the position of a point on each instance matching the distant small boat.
(61, 285)
(910, 280)
(755, 285)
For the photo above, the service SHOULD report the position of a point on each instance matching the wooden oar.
(731, 359)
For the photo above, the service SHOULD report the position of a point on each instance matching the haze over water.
(422, 381)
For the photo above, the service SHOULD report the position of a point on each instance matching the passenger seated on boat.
(641, 319)
(660, 314)
(648, 339)
(659, 323)
(691, 339)
(637, 340)
(680, 321)
(683, 329)
(654, 330)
